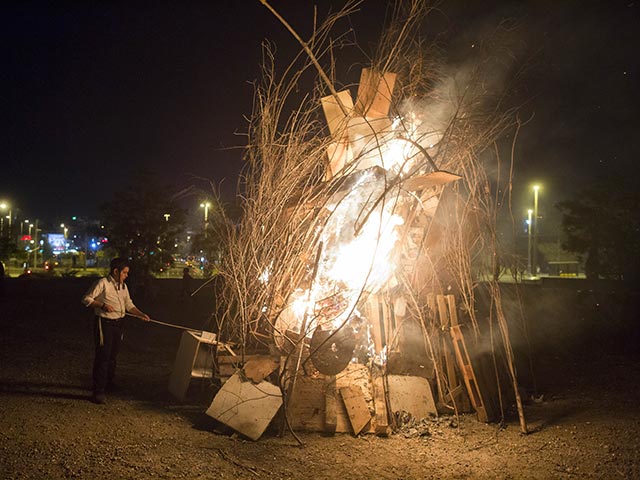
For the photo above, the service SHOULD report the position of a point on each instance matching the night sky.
(92, 93)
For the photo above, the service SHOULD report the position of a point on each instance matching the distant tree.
(8, 248)
(137, 225)
(603, 224)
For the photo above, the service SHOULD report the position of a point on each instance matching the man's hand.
(107, 308)
(145, 317)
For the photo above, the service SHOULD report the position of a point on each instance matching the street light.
(529, 213)
(206, 206)
(64, 230)
(536, 189)
(5, 206)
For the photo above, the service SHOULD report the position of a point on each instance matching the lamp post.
(5, 206)
(529, 212)
(206, 206)
(536, 189)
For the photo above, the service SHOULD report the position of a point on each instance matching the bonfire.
(368, 228)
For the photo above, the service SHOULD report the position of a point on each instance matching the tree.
(142, 223)
(7, 248)
(603, 223)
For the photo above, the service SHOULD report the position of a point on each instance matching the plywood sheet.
(333, 112)
(246, 407)
(374, 93)
(356, 405)
(411, 394)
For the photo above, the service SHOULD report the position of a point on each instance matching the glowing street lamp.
(529, 213)
(206, 206)
(536, 189)
(6, 207)
(64, 230)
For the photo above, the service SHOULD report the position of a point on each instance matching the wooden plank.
(380, 403)
(336, 117)
(375, 320)
(356, 406)
(433, 179)
(339, 154)
(453, 312)
(246, 407)
(446, 352)
(330, 406)
(411, 394)
(375, 93)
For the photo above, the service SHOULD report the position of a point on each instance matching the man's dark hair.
(118, 264)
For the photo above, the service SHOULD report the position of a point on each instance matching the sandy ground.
(587, 424)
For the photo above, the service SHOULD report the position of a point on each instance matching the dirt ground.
(586, 425)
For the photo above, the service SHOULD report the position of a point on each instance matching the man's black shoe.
(112, 387)
(99, 398)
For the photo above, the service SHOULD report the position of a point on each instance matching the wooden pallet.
(479, 399)
(444, 309)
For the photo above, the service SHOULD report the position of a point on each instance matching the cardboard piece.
(356, 406)
(246, 407)
(412, 395)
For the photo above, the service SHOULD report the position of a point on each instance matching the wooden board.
(330, 405)
(246, 407)
(380, 403)
(356, 405)
(422, 182)
(333, 112)
(411, 394)
(374, 93)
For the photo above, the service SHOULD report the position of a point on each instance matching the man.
(110, 299)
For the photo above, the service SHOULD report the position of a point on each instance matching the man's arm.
(91, 300)
(138, 313)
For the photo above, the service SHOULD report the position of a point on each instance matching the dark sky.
(92, 93)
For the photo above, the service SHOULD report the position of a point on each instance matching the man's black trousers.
(108, 337)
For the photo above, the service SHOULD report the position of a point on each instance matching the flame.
(361, 233)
